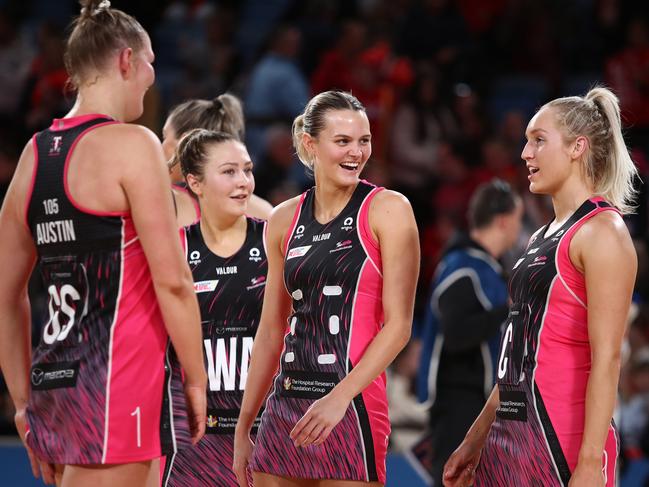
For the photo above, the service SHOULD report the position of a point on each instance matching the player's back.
(103, 320)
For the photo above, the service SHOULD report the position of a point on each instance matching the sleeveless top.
(544, 365)
(230, 292)
(333, 273)
(90, 401)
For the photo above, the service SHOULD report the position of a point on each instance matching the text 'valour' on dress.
(333, 273)
(543, 368)
(102, 390)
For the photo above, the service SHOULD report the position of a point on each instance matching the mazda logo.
(37, 376)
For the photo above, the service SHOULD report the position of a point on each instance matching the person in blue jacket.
(461, 328)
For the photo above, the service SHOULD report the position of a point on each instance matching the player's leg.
(129, 474)
(267, 480)
(347, 483)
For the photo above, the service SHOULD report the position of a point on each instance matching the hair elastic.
(103, 5)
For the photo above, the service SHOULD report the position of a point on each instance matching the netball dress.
(333, 273)
(102, 390)
(543, 368)
(230, 293)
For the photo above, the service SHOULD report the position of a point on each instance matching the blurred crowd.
(449, 86)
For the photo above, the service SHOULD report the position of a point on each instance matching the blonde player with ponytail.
(549, 419)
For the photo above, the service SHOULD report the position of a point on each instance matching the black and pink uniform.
(543, 368)
(230, 292)
(102, 390)
(333, 273)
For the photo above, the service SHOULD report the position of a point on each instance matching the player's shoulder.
(131, 148)
(282, 215)
(390, 201)
(604, 226)
(281, 218)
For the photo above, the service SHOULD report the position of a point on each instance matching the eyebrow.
(247, 163)
(350, 137)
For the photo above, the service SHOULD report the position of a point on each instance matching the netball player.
(227, 256)
(343, 263)
(222, 114)
(548, 420)
(90, 202)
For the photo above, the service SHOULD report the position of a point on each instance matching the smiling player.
(343, 264)
(227, 256)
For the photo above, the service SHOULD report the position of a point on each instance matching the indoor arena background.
(449, 86)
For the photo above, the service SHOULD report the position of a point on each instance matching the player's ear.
(194, 184)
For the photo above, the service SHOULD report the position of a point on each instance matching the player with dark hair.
(226, 252)
(221, 114)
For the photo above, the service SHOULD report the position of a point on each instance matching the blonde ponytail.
(607, 162)
(616, 181)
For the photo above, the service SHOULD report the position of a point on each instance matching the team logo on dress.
(55, 148)
(205, 286)
(348, 223)
(288, 384)
(255, 255)
(37, 376)
(195, 257)
(54, 375)
(299, 232)
(297, 252)
(256, 282)
(342, 245)
(212, 421)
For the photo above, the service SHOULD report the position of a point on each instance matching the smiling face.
(227, 181)
(342, 148)
(546, 154)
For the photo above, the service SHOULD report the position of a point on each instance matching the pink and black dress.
(333, 273)
(543, 368)
(102, 388)
(230, 292)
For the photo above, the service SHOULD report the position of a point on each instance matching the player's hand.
(319, 420)
(196, 410)
(459, 470)
(39, 468)
(242, 452)
(590, 475)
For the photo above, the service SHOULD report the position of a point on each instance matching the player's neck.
(91, 100)
(221, 226)
(330, 201)
(223, 234)
(566, 201)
